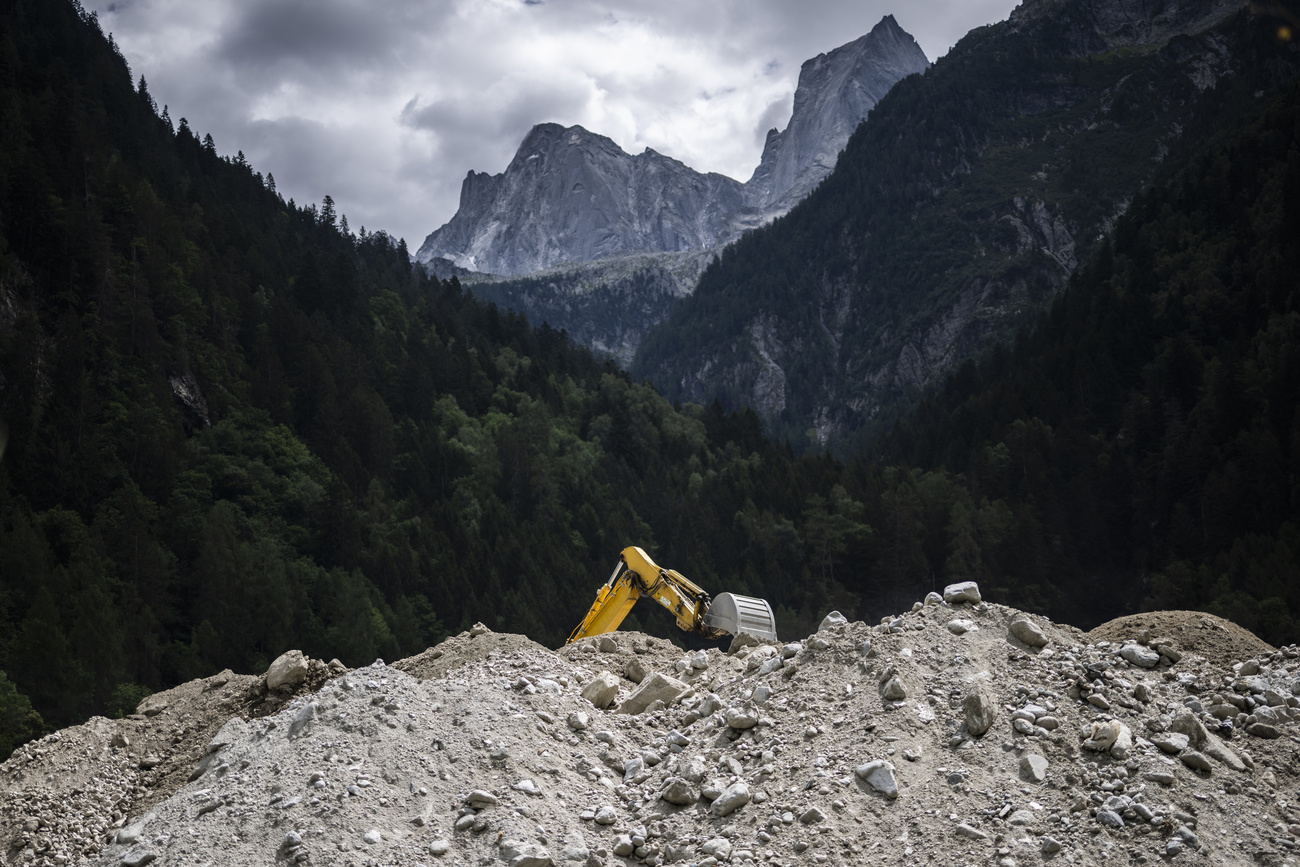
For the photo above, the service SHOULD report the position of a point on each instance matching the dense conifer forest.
(235, 426)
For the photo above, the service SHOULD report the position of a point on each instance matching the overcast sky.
(386, 105)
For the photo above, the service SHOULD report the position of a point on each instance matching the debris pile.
(961, 732)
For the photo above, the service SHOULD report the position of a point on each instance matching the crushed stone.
(851, 746)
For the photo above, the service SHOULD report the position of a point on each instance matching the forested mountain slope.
(1153, 415)
(968, 198)
(236, 427)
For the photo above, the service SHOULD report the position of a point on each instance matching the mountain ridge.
(969, 199)
(570, 195)
(836, 91)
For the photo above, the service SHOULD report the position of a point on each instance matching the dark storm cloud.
(335, 37)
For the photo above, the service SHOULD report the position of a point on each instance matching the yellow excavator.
(636, 574)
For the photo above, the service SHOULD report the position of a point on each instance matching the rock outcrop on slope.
(959, 732)
(572, 196)
(836, 91)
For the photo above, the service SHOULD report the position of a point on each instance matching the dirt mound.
(955, 733)
(64, 795)
(1220, 641)
(475, 645)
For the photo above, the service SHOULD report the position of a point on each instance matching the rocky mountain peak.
(836, 91)
(571, 195)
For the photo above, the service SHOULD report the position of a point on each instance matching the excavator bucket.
(735, 614)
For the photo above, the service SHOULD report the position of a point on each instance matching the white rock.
(730, 800)
(739, 717)
(602, 689)
(966, 591)
(1027, 631)
(758, 656)
(717, 847)
(480, 798)
(289, 669)
(1171, 742)
(1140, 656)
(961, 626)
(579, 721)
(1123, 743)
(656, 687)
(1033, 768)
(833, 619)
(812, 816)
(879, 775)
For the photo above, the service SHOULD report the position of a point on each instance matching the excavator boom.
(636, 574)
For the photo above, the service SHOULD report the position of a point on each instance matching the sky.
(385, 106)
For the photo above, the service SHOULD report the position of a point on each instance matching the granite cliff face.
(835, 93)
(572, 196)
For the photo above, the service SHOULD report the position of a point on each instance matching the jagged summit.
(571, 195)
(836, 91)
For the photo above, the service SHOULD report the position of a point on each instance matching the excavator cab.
(635, 574)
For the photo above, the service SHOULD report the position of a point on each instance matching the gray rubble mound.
(907, 742)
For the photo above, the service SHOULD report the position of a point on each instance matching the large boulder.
(656, 687)
(288, 670)
(602, 689)
(966, 591)
(1140, 656)
(833, 619)
(1027, 631)
(732, 799)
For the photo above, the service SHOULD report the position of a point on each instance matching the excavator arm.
(636, 574)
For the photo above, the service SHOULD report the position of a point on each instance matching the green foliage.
(18, 722)
(236, 428)
(125, 698)
(1149, 424)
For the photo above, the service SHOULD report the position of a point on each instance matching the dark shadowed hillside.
(967, 199)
